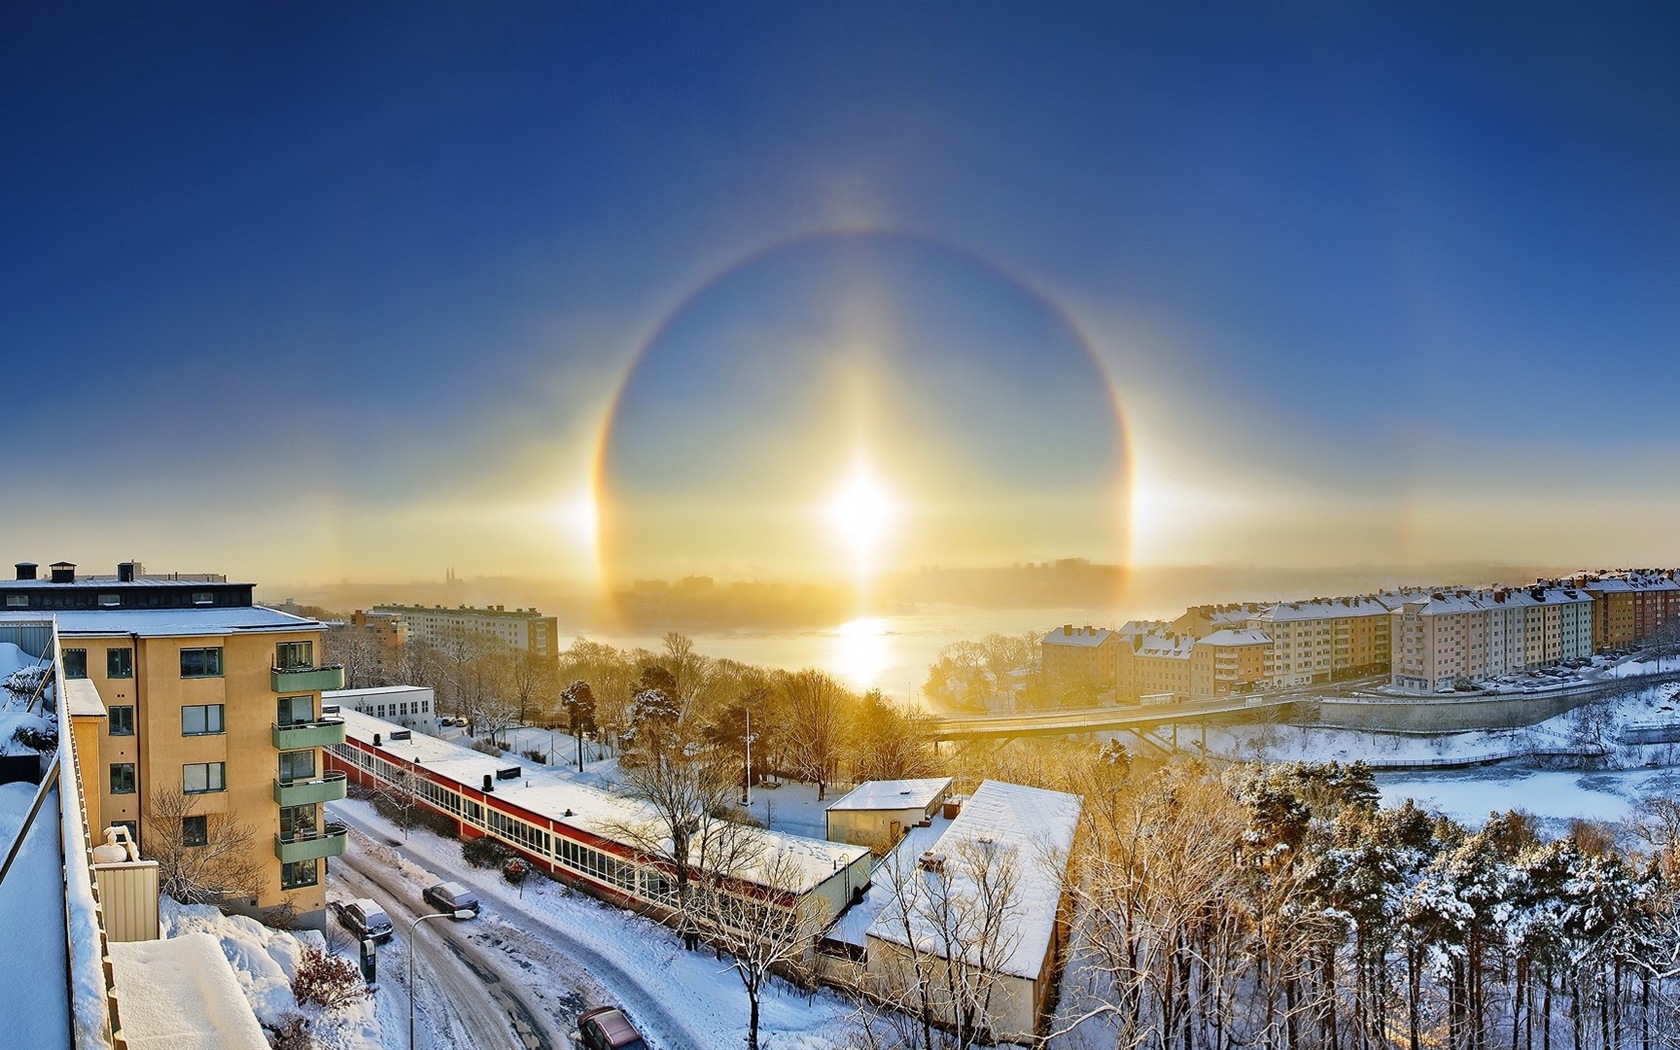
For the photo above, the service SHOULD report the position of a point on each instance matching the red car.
(606, 1028)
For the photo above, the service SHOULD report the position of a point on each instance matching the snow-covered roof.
(162, 623)
(1083, 637)
(1250, 636)
(1171, 646)
(81, 697)
(34, 953)
(1324, 609)
(894, 794)
(181, 994)
(372, 690)
(1447, 603)
(1029, 830)
(586, 808)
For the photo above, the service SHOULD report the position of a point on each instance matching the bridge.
(1099, 719)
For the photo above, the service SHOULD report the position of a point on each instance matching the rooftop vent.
(401, 734)
(488, 786)
(510, 773)
(125, 572)
(63, 572)
(26, 570)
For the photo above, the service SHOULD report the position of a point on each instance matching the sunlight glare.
(861, 511)
(859, 651)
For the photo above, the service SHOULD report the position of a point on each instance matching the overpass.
(1098, 719)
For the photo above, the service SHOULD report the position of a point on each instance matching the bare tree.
(816, 730)
(888, 742)
(952, 925)
(759, 923)
(685, 789)
(493, 714)
(202, 858)
(530, 677)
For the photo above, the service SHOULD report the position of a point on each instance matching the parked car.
(606, 1028)
(451, 896)
(364, 918)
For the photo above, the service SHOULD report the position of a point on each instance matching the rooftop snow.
(588, 809)
(1252, 636)
(1083, 637)
(895, 794)
(1324, 609)
(81, 697)
(162, 623)
(181, 994)
(1031, 829)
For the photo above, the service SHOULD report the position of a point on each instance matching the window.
(297, 765)
(17, 601)
(195, 831)
(292, 710)
(201, 663)
(198, 778)
(289, 655)
(119, 663)
(122, 721)
(75, 663)
(203, 598)
(298, 873)
(201, 719)
(110, 601)
(298, 822)
(122, 778)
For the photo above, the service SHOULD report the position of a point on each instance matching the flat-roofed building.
(987, 889)
(410, 706)
(879, 812)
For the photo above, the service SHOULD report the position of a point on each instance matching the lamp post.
(413, 932)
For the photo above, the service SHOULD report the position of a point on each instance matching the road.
(461, 992)
(558, 970)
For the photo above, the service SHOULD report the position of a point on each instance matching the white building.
(410, 706)
(878, 813)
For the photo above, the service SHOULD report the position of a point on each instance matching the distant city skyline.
(799, 291)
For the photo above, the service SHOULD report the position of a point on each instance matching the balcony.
(329, 842)
(325, 733)
(329, 788)
(306, 679)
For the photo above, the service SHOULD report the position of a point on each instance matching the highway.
(1096, 719)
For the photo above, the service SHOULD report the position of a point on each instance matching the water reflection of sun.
(859, 651)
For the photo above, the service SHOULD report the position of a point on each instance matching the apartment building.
(523, 630)
(1631, 606)
(1080, 656)
(206, 695)
(1231, 662)
(1326, 639)
(1448, 636)
(1159, 665)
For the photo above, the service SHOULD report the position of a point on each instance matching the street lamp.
(413, 932)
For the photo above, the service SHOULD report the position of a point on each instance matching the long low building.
(579, 833)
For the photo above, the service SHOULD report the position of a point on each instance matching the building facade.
(522, 630)
(1080, 658)
(1447, 638)
(209, 699)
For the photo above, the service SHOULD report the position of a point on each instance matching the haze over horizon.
(792, 291)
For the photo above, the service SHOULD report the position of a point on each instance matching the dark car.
(451, 896)
(606, 1028)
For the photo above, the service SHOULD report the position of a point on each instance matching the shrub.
(538, 756)
(483, 852)
(328, 980)
(487, 747)
(36, 738)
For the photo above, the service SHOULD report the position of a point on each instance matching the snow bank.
(264, 962)
(180, 994)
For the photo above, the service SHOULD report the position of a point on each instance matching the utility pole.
(746, 797)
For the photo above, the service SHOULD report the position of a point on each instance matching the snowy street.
(555, 952)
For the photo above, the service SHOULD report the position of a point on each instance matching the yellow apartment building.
(1082, 657)
(1230, 662)
(207, 694)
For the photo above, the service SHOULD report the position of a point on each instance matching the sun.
(861, 511)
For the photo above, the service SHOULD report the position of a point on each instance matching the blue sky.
(1372, 281)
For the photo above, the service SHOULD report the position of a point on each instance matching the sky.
(591, 291)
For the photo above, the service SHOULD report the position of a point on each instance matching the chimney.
(26, 570)
(63, 572)
(125, 572)
(1067, 629)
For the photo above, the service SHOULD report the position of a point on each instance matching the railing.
(330, 841)
(322, 733)
(306, 679)
(329, 787)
